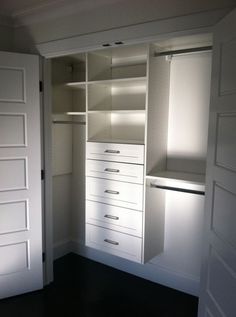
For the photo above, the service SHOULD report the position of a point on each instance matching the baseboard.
(61, 248)
(149, 271)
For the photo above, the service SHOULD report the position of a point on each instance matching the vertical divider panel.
(158, 110)
(157, 105)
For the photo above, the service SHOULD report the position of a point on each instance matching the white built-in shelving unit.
(146, 115)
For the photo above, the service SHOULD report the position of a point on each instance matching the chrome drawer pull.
(112, 151)
(111, 242)
(114, 192)
(112, 170)
(111, 217)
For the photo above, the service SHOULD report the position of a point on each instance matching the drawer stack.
(114, 198)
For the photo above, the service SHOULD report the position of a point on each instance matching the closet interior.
(129, 135)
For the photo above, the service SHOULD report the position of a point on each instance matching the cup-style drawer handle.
(111, 241)
(112, 170)
(112, 151)
(111, 217)
(114, 192)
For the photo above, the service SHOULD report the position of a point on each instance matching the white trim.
(143, 32)
(48, 220)
(157, 274)
(61, 248)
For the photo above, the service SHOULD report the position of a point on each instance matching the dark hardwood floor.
(85, 288)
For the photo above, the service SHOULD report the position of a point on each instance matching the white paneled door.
(218, 279)
(20, 184)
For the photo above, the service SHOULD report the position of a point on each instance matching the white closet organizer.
(146, 114)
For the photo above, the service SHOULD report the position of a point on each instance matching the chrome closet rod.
(68, 122)
(184, 51)
(177, 189)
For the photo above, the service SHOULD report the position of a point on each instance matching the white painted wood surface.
(126, 153)
(157, 112)
(115, 218)
(113, 242)
(115, 193)
(20, 184)
(132, 173)
(218, 278)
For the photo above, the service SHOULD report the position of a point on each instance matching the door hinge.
(40, 86)
(43, 257)
(42, 175)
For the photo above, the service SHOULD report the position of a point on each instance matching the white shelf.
(76, 84)
(132, 80)
(76, 113)
(119, 141)
(178, 180)
(117, 111)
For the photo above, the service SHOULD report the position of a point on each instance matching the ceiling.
(14, 8)
(20, 10)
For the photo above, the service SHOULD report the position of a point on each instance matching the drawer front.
(114, 218)
(115, 193)
(116, 171)
(126, 153)
(113, 242)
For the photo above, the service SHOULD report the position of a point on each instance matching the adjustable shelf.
(114, 140)
(116, 81)
(76, 113)
(76, 85)
(128, 111)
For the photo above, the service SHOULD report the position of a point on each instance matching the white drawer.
(113, 242)
(115, 193)
(132, 173)
(127, 153)
(115, 218)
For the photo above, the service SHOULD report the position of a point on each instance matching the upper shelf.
(125, 111)
(118, 81)
(131, 80)
(180, 181)
(115, 140)
(76, 84)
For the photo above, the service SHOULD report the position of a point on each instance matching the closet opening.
(129, 145)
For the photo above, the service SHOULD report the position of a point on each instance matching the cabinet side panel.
(78, 184)
(158, 105)
(154, 222)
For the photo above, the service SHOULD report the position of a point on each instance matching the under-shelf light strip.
(74, 113)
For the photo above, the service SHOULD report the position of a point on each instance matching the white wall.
(61, 213)
(6, 37)
(190, 81)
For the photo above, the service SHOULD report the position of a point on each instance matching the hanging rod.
(68, 122)
(177, 189)
(184, 51)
